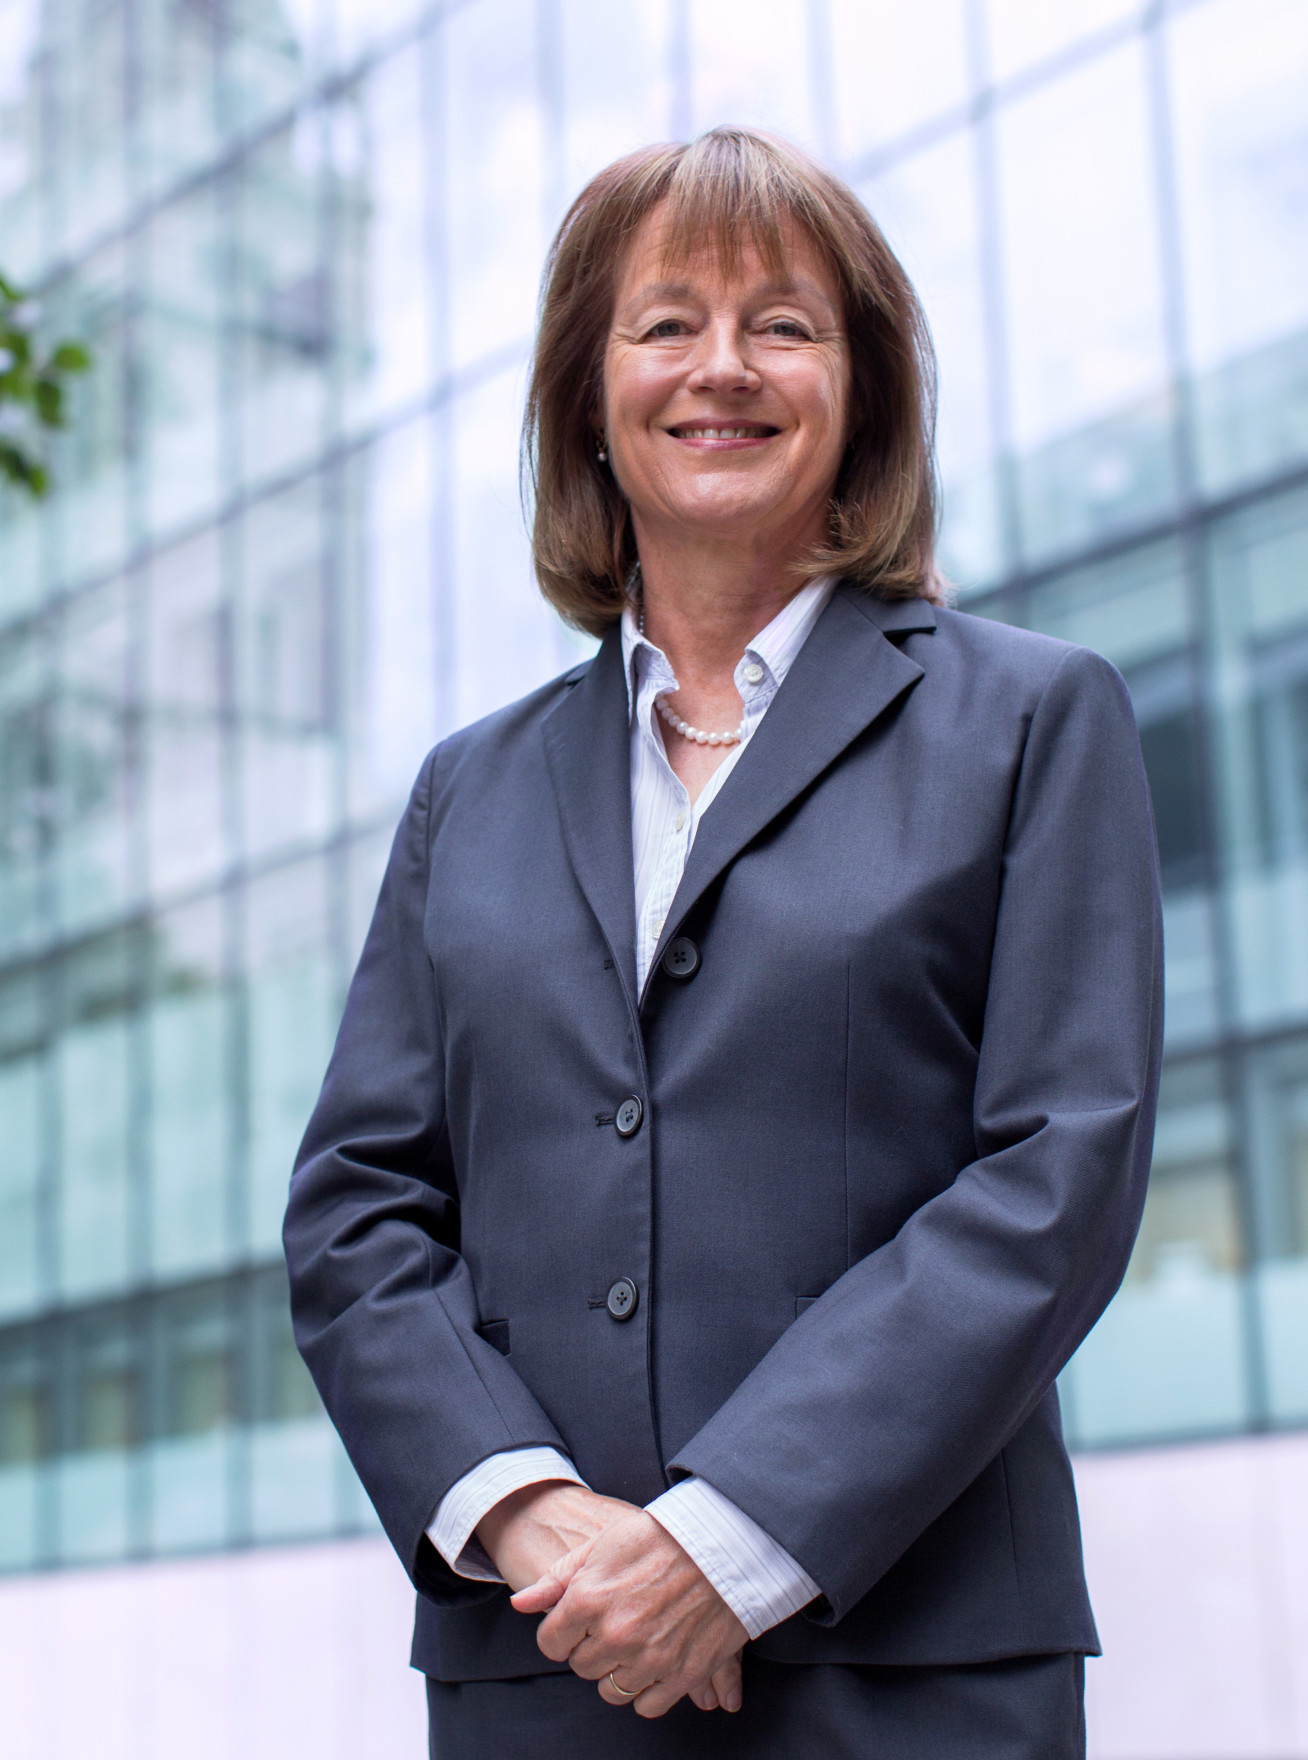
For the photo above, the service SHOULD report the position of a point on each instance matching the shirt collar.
(774, 647)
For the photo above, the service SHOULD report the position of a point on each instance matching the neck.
(705, 603)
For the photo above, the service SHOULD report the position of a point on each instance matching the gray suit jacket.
(895, 1137)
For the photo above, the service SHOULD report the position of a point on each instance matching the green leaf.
(9, 291)
(22, 469)
(49, 398)
(18, 344)
(70, 357)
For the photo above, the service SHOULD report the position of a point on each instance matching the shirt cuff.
(758, 1579)
(451, 1530)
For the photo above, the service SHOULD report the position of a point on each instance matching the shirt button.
(628, 1116)
(679, 821)
(753, 673)
(622, 1299)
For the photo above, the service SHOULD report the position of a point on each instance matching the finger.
(726, 1685)
(705, 1696)
(661, 1697)
(540, 1596)
(610, 1695)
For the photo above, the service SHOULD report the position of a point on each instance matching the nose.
(721, 363)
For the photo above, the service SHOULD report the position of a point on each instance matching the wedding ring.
(622, 1690)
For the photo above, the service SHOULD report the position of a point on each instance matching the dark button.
(627, 1118)
(681, 960)
(622, 1298)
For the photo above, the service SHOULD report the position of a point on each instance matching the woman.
(743, 1104)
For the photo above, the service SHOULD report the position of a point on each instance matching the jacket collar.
(848, 672)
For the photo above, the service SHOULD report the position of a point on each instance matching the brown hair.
(883, 512)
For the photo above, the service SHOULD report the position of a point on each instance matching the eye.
(668, 327)
(788, 327)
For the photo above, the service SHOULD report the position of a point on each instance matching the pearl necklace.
(694, 734)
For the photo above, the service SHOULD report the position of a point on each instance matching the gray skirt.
(1029, 1708)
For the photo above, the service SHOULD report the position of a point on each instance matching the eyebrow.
(774, 289)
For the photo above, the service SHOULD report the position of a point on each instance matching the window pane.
(293, 1012)
(379, 164)
(750, 64)
(927, 207)
(182, 359)
(20, 22)
(1023, 32)
(89, 458)
(288, 740)
(505, 638)
(20, 1174)
(94, 1479)
(617, 94)
(84, 64)
(26, 1441)
(493, 154)
(93, 783)
(26, 791)
(188, 1032)
(391, 646)
(173, 70)
(1080, 241)
(283, 312)
(1260, 609)
(267, 55)
(1279, 1108)
(188, 665)
(1239, 71)
(95, 1185)
(1167, 1359)
(894, 66)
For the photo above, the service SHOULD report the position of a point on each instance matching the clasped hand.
(620, 1597)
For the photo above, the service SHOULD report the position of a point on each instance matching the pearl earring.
(600, 452)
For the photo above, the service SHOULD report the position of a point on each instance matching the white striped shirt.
(663, 821)
(757, 1578)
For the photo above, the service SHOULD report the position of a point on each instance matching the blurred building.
(286, 554)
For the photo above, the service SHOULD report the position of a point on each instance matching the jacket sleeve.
(882, 1403)
(383, 1304)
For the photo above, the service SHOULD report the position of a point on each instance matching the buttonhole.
(596, 1301)
(603, 1118)
(608, 965)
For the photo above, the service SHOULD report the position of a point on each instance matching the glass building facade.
(286, 553)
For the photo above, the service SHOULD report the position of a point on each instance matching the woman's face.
(726, 398)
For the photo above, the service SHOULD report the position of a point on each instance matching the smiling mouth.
(740, 431)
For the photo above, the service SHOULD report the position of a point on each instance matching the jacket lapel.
(846, 674)
(588, 750)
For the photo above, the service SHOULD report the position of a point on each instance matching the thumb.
(540, 1596)
(548, 1590)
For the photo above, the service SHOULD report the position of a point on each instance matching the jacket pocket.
(496, 1332)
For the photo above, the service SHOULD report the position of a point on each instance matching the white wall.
(1198, 1562)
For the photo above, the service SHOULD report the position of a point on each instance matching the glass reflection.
(1238, 74)
(494, 154)
(283, 311)
(188, 671)
(1259, 579)
(189, 1037)
(1167, 1359)
(92, 748)
(285, 636)
(182, 359)
(292, 1004)
(927, 208)
(1085, 324)
(378, 166)
(894, 67)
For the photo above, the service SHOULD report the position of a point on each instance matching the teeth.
(724, 433)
